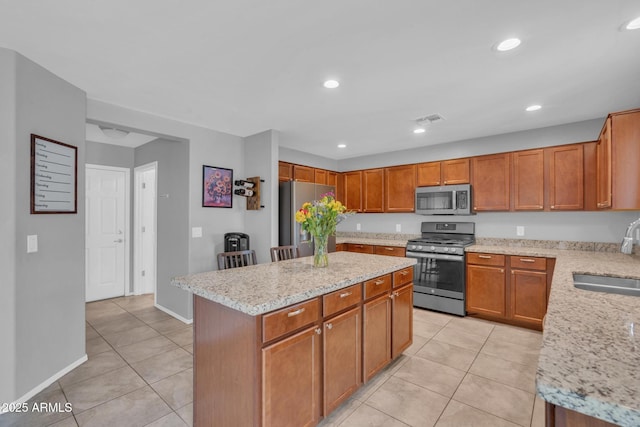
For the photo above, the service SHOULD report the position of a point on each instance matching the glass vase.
(320, 251)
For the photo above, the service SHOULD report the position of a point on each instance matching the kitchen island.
(285, 343)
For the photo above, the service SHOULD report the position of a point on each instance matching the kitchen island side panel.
(226, 366)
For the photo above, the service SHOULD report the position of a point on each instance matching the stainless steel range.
(439, 275)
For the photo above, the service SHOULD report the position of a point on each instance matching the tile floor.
(459, 372)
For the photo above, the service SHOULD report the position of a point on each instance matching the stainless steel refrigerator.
(292, 195)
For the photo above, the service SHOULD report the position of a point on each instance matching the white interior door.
(107, 212)
(145, 225)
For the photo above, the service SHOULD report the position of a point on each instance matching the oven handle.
(459, 258)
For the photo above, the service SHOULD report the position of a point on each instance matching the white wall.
(306, 159)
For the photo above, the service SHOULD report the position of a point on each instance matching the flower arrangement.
(320, 218)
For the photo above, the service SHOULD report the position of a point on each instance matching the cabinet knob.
(329, 325)
(318, 331)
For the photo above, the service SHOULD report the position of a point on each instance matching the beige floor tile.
(407, 402)
(67, 422)
(176, 390)
(457, 337)
(523, 337)
(182, 337)
(418, 342)
(447, 354)
(145, 349)
(102, 312)
(134, 302)
(151, 315)
(90, 333)
(118, 323)
(471, 325)
(538, 418)
(163, 365)
(169, 420)
(138, 408)
(510, 351)
(131, 336)
(367, 389)
(96, 365)
(340, 413)
(506, 372)
(459, 415)
(432, 316)
(189, 348)
(96, 391)
(96, 346)
(186, 413)
(506, 402)
(365, 415)
(425, 328)
(169, 325)
(431, 375)
(38, 418)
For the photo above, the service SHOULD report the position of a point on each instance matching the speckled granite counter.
(590, 355)
(379, 239)
(265, 287)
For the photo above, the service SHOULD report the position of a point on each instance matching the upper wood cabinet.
(303, 173)
(340, 187)
(491, 182)
(320, 176)
(618, 156)
(353, 191)
(372, 182)
(285, 171)
(446, 172)
(565, 177)
(399, 188)
(332, 179)
(528, 180)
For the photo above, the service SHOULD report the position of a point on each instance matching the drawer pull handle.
(484, 256)
(329, 326)
(295, 313)
(389, 249)
(378, 282)
(527, 260)
(346, 294)
(404, 273)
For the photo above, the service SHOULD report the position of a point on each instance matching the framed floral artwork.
(217, 187)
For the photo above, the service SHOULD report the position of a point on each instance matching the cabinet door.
(332, 179)
(428, 174)
(486, 291)
(491, 184)
(372, 184)
(455, 171)
(342, 357)
(389, 250)
(303, 173)
(528, 296)
(291, 380)
(340, 194)
(625, 157)
(400, 188)
(353, 191)
(566, 177)
(528, 180)
(603, 167)
(376, 334)
(285, 171)
(402, 315)
(320, 176)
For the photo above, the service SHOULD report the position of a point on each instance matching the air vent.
(431, 118)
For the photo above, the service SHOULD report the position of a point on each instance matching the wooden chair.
(281, 253)
(236, 259)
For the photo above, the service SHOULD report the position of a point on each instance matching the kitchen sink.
(608, 284)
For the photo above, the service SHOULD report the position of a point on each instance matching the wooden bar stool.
(236, 259)
(281, 253)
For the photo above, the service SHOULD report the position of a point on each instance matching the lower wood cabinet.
(356, 247)
(486, 285)
(374, 249)
(557, 416)
(402, 320)
(376, 333)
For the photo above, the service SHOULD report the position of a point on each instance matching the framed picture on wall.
(54, 176)
(217, 187)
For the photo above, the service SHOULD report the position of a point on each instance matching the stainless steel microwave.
(444, 200)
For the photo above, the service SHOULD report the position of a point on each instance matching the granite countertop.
(590, 355)
(261, 288)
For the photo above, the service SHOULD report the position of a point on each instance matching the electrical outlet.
(32, 243)
(398, 228)
(358, 227)
(520, 230)
(196, 232)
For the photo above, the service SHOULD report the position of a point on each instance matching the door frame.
(127, 223)
(137, 235)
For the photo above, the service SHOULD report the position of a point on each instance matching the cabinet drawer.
(356, 247)
(485, 259)
(339, 300)
(528, 262)
(289, 319)
(389, 250)
(377, 286)
(402, 277)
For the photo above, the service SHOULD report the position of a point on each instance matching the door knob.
(118, 241)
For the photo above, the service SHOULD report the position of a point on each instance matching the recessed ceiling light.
(331, 84)
(533, 107)
(419, 130)
(342, 145)
(633, 25)
(508, 44)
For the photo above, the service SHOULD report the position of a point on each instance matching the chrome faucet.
(627, 241)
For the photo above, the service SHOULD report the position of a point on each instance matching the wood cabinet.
(565, 177)
(486, 285)
(389, 250)
(372, 183)
(402, 319)
(446, 172)
(528, 180)
(528, 286)
(491, 182)
(557, 416)
(303, 173)
(357, 247)
(332, 179)
(320, 176)
(376, 334)
(399, 188)
(341, 247)
(618, 156)
(353, 191)
(285, 171)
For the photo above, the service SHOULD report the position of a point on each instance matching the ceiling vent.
(431, 118)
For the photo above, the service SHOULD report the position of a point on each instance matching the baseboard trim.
(177, 316)
(55, 377)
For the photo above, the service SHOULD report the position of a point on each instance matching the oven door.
(439, 274)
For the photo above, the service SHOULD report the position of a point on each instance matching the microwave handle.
(454, 198)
